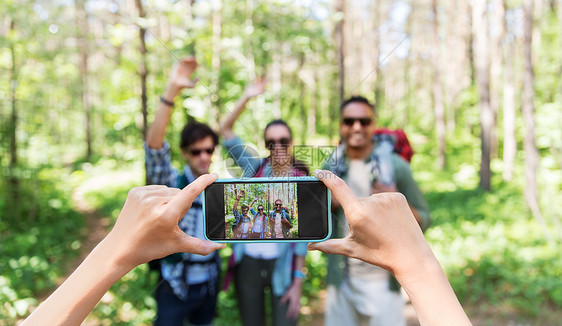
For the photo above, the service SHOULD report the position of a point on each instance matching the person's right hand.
(180, 76)
(382, 230)
(256, 88)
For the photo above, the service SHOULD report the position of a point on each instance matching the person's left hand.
(293, 299)
(147, 227)
(256, 88)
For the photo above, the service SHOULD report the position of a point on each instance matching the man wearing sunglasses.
(189, 287)
(279, 222)
(358, 291)
(242, 226)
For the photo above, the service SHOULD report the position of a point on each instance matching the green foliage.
(491, 248)
(36, 249)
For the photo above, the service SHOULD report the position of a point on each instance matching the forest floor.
(97, 227)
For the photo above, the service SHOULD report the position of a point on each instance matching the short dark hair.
(356, 99)
(245, 207)
(278, 122)
(195, 131)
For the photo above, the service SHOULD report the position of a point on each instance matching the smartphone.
(267, 210)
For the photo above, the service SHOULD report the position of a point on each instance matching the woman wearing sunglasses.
(259, 222)
(277, 266)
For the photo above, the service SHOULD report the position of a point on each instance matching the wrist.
(298, 275)
(115, 254)
(171, 92)
(425, 267)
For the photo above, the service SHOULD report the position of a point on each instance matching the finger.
(284, 298)
(197, 246)
(333, 246)
(183, 200)
(339, 189)
(188, 60)
(164, 191)
(293, 311)
(153, 187)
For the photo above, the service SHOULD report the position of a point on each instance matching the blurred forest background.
(475, 84)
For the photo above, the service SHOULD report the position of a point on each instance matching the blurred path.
(95, 230)
(313, 315)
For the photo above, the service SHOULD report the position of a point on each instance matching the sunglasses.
(197, 152)
(351, 121)
(270, 143)
(260, 209)
(278, 204)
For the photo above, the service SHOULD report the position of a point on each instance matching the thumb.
(333, 246)
(198, 246)
(192, 83)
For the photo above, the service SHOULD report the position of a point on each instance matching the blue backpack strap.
(182, 181)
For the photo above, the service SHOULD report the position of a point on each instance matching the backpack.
(402, 145)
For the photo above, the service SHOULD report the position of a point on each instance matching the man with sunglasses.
(279, 222)
(356, 290)
(189, 286)
(242, 226)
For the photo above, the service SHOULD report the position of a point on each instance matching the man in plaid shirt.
(189, 286)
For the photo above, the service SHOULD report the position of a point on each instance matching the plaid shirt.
(182, 269)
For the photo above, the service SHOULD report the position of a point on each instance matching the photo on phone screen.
(270, 210)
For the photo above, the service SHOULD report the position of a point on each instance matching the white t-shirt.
(359, 182)
(261, 250)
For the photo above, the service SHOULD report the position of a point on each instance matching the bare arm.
(235, 206)
(147, 228)
(180, 78)
(293, 293)
(384, 232)
(253, 202)
(227, 123)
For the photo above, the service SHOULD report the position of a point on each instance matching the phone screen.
(271, 210)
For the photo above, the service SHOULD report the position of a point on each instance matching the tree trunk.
(470, 41)
(482, 62)
(340, 45)
(216, 59)
(379, 82)
(143, 73)
(438, 108)
(13, 204)
(83, 33)
(496, 64)
(276, 83)
(531, 154)
(302, 98)
(509, 143)
(313, 98)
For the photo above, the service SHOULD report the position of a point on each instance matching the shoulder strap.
(182, 181)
